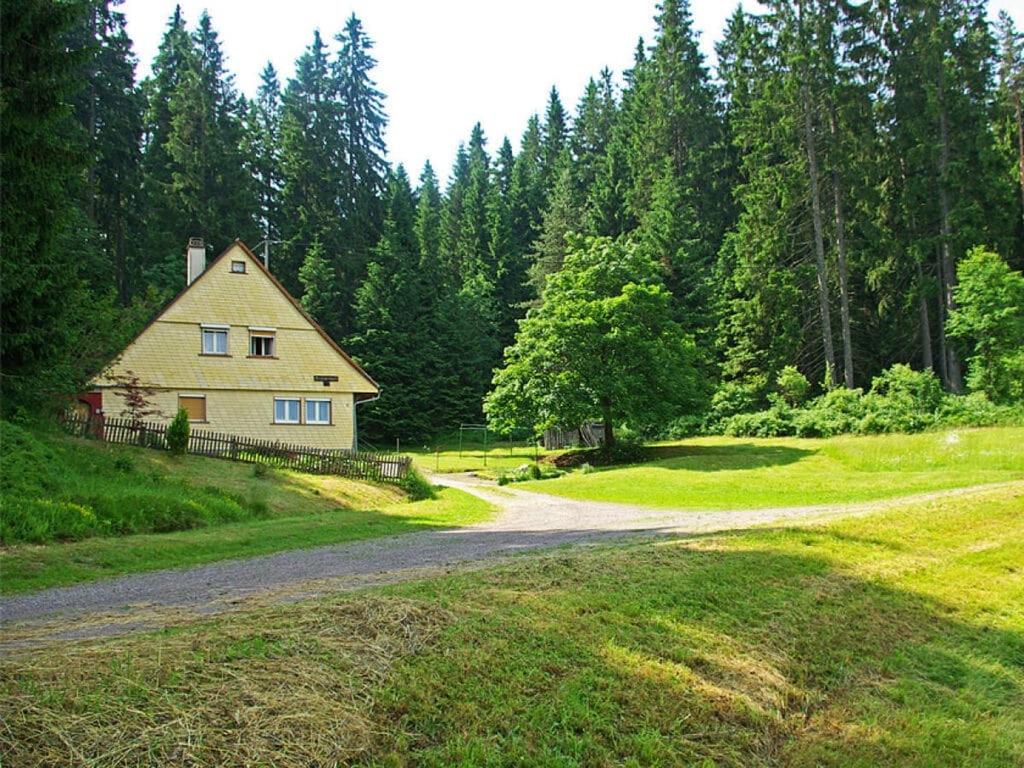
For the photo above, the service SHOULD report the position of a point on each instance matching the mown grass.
(741, 473)
(890, 640)
(28, 567)
(232, 510)
(475, 457)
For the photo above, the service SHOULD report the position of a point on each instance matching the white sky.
(444, 64)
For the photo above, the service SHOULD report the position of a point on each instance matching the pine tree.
(554, 138)
(675, 137)
(527, 195)
(42, 162)
(311, 159)
(110, 109)
(592, 131)
(163, 236)
(214, 193)
(393, 333)
(320, 292)
(263, 150)
(1010, 114)
(564, 215)
(364, 169)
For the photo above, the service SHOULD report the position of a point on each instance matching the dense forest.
(806, 204)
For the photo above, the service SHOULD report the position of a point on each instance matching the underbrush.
(50, 490)
(901, 400)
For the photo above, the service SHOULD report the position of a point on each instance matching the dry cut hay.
(288, 686)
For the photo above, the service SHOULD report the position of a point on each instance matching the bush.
(416, 486)
(976, 410)
(177, 433)
(734, 397)
(683, 427)
(837, 412)
(902, 400)
(586, 469)
(776, 421)
(792, 385)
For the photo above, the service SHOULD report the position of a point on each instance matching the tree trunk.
(91, 120)
(819, 238)
(606, 414)
(954, 377)
(844, 289)
(943, 358)
(927, 362)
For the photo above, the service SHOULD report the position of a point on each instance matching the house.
(239, 354)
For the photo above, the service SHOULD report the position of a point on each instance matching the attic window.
(238, 267)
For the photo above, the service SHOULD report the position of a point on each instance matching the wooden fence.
(387, 467)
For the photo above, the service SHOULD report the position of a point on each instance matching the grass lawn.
(890, 640)
(29, 567)
(263, 511)
(734, 473)
(474, 457)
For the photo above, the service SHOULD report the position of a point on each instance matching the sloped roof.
(284, 292)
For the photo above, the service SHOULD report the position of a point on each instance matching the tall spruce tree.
(311, 158)
(263, 151)
(110, 109)
(393, 336)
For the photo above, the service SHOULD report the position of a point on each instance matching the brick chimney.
(195, 259)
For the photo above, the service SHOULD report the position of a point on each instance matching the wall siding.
(251, 414)
(240, 390)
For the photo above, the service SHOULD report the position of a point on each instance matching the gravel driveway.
(525, 521)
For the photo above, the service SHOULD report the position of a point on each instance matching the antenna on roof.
(266, 250)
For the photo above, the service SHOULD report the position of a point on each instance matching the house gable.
(168, 353)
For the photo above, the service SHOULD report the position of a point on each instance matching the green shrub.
(416, 486)
(734, 397)
(837, 412)
(976, 410)
(776, 421)
(177, 433)
(988, 322)
(260, 470)
(586, 469)
(792, 385)
(902, 400)
(683, 427)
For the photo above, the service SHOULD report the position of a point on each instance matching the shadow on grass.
(675, 655)
(742, 649)
(711, 458)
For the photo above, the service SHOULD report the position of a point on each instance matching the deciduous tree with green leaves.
(988, 321)
(603, 344)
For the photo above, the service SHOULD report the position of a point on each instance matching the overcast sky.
(444, 64)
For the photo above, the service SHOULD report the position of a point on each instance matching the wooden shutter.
(195, 407)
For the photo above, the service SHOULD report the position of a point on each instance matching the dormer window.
(262, 342)
(215, 339)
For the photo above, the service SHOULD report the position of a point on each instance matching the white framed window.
(261, 345)
(286, 410)
(215, 339)
(318, 411)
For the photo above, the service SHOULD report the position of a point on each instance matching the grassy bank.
(29, 567)
(145, 510)
(891, 640)
(734, 473)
